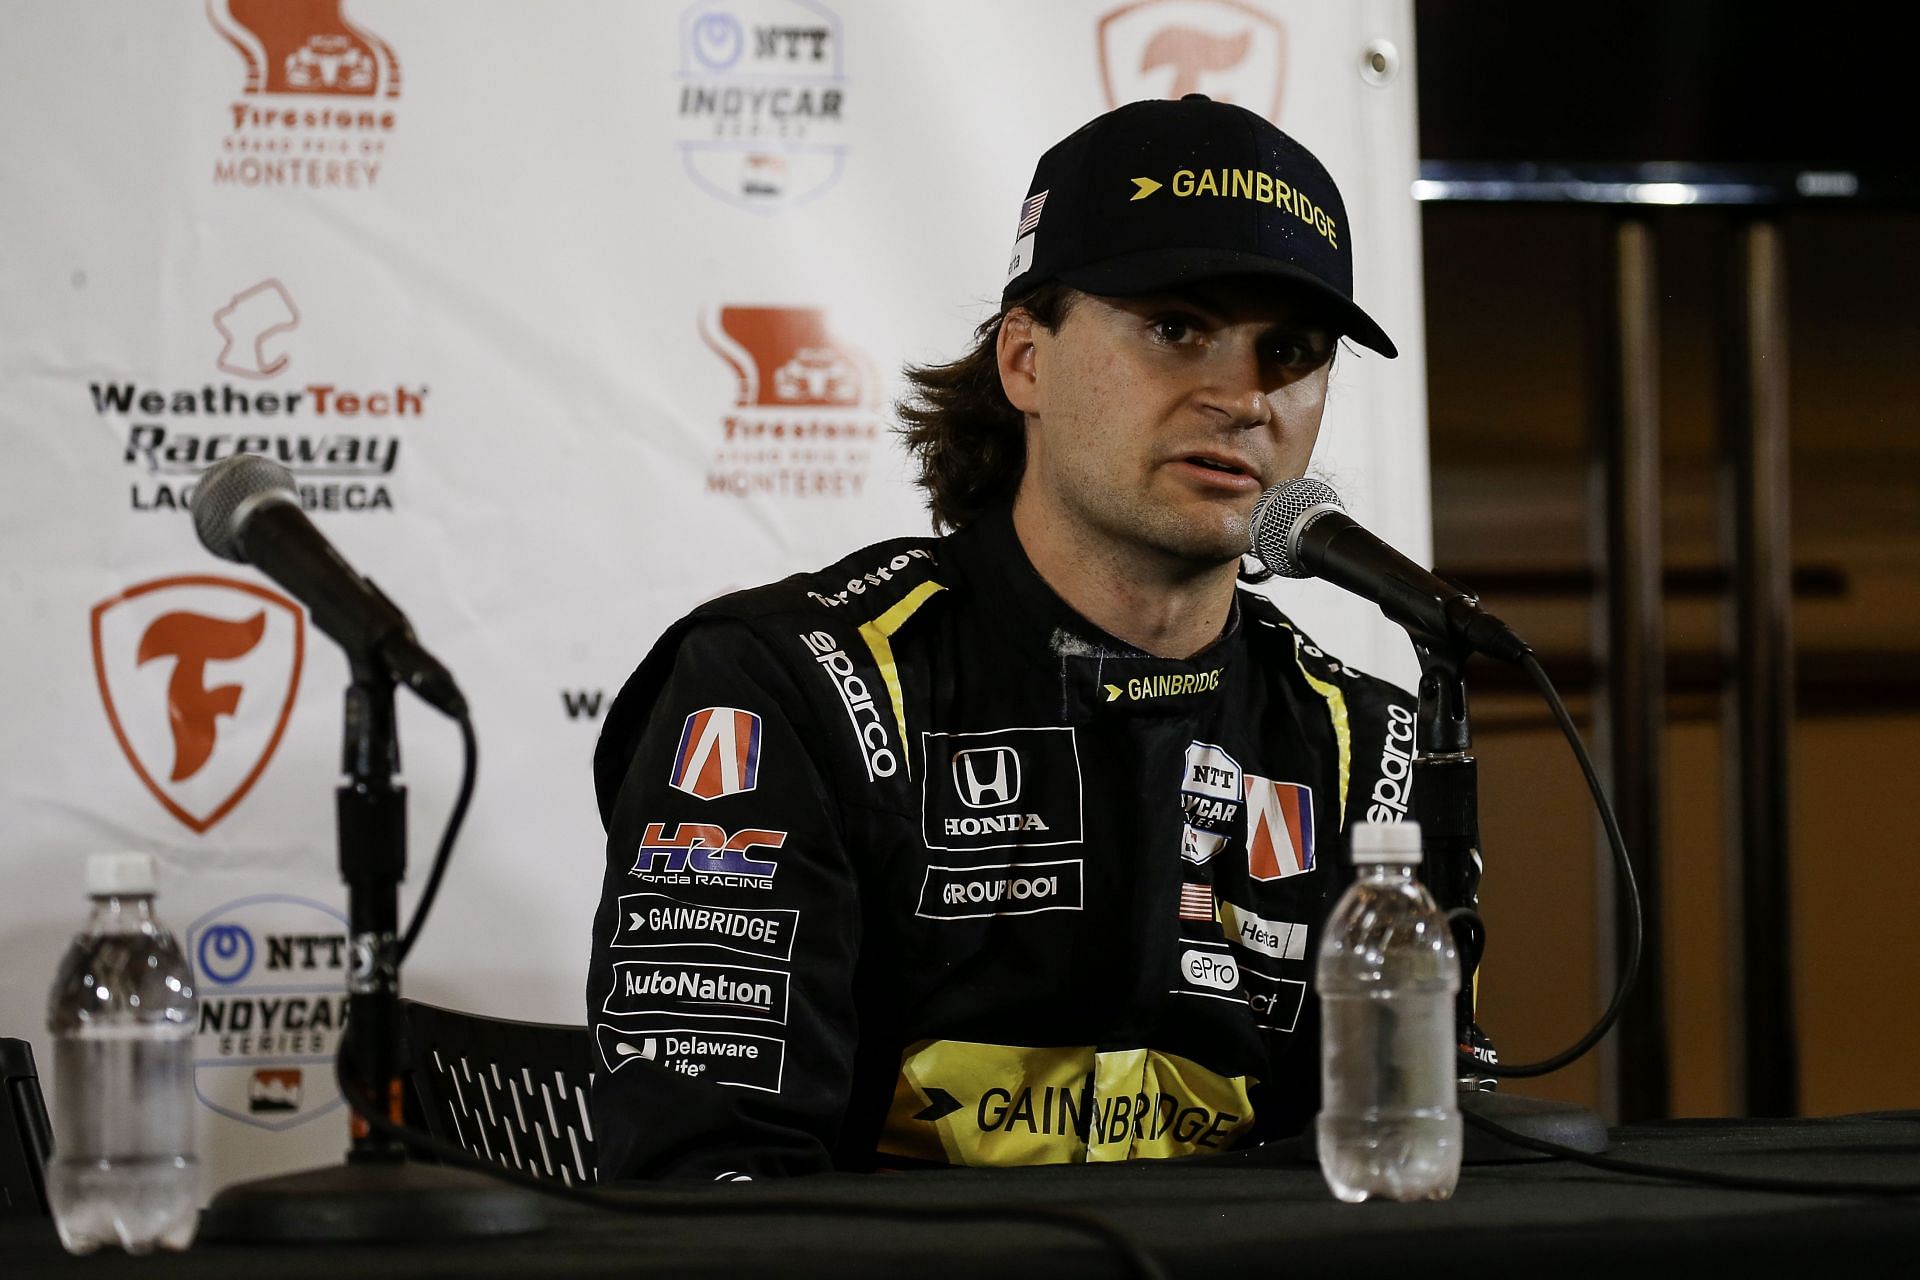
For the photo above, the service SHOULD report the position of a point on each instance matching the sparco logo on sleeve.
(655, 920)
(1394, 787)
(963, 893)
(869, 728)
(698, 991)
(1001, 789)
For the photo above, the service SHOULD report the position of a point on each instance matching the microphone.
(1300, 530)
(245, 510)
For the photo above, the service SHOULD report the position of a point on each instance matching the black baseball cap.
(1159, 194)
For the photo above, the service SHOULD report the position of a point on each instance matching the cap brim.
(1158, 269)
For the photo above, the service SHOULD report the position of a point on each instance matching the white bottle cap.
(119, 875)
(1391, 842)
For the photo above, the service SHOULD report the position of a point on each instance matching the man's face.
(1154, 422)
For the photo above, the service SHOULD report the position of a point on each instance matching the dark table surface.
(1247, 1214)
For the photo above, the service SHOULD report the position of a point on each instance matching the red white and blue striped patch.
(1030, 213)
(1196, 902)
(1279, 829)
(719, 753)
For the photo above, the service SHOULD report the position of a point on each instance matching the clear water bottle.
(123, 1013)
(1389, 1123)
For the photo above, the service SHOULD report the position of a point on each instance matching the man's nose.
(1234, 391)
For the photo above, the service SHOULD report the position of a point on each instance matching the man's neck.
(1157, 604)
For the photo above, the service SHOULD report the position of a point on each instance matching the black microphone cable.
(1636, 924)
(1628, 975)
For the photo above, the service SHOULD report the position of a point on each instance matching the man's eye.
(1295, 353)
(1174, 329)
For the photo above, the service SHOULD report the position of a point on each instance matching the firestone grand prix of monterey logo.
(1228, 50)
(316, 100)
(805, 405)
(198, 675)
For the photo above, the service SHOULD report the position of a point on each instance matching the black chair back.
(511, 1092)
(26, 1139)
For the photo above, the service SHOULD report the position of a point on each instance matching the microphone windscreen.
(1278, 514)
(223, 489)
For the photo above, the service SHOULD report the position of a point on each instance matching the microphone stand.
(1446, 788)
(378, 1194)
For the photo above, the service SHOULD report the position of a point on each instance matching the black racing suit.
(908, 863)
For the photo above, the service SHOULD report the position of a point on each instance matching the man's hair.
(969, 441)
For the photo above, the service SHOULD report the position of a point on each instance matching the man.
(1011, 846)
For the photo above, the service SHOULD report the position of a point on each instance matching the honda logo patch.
(987, 777)
(1001, 789)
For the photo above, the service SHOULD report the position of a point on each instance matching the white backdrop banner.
(565, 318)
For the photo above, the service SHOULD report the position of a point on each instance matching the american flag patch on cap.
(1030, 213)
(1196, 902)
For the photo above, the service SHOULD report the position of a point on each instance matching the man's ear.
(1014, 350)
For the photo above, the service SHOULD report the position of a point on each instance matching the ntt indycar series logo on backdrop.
(271, 970)
(315, 100)
(761, 105)
(341, 442)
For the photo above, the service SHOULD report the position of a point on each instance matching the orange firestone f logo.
(1191, 53)
(193, 640)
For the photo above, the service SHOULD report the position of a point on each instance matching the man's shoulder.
(854, 590)
(843, 619)
(1269, 626)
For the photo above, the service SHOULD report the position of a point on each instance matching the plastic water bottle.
(123, 1015)
(1389, 1122)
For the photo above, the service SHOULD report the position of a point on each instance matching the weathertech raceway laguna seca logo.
(340, 443)
(316, 99)
(1226, 49)
(197, 675)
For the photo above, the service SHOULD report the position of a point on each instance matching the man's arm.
(720, 990)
